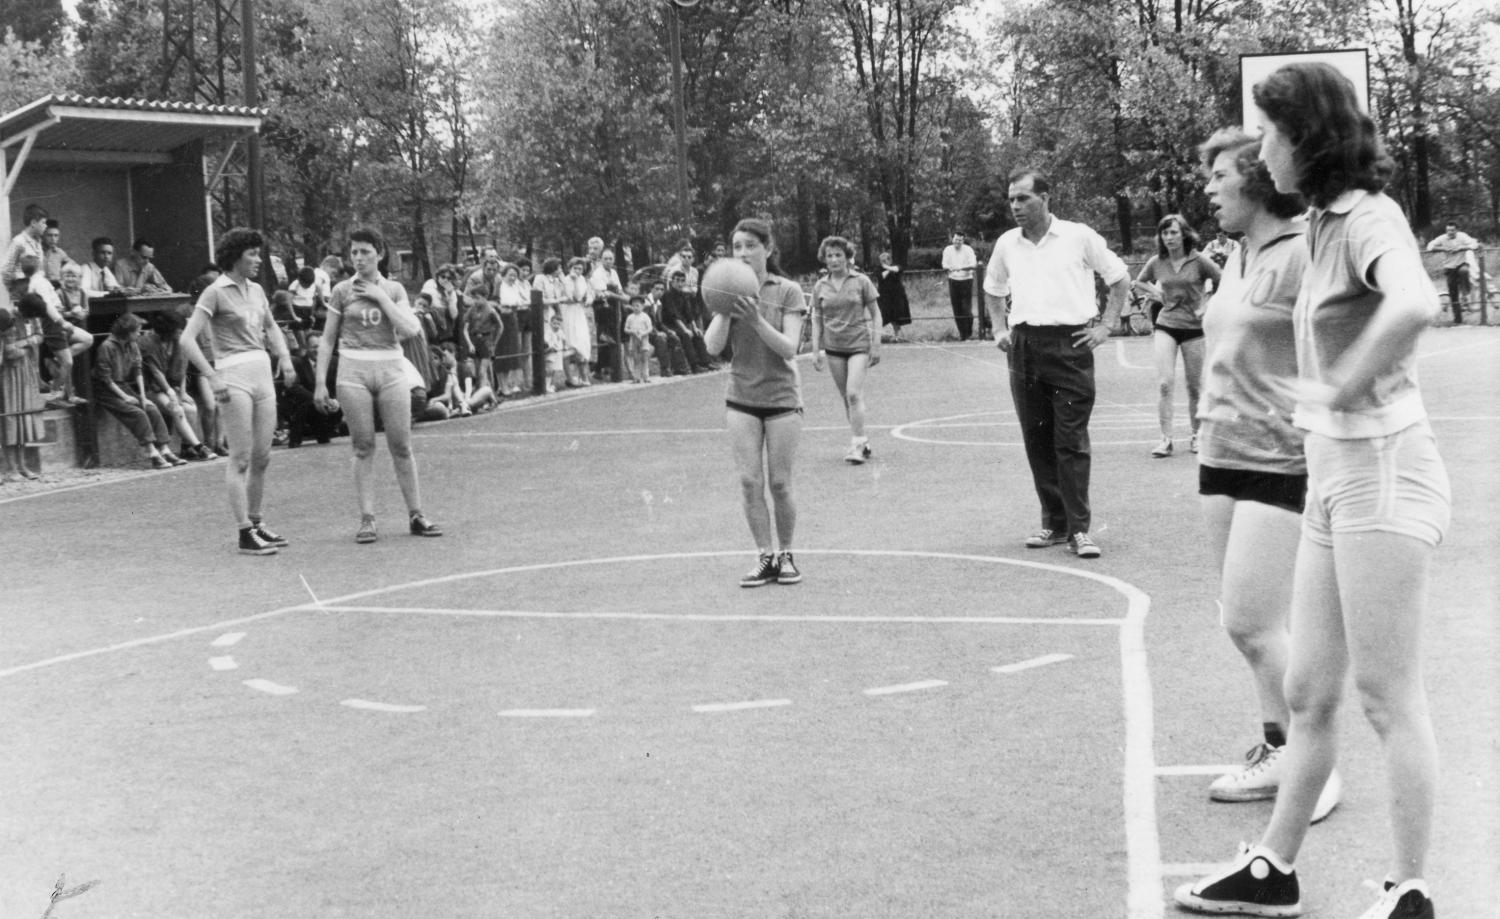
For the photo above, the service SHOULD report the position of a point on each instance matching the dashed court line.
(1035, 662)
(905, 687)
(267, 686)
(366, 705)
(223, 663)
(548, 713)
(717, 707)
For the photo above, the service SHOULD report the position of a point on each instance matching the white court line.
(547, 713)
(1143, 845)
(1042, 661)
(715, 617)
(228, 639)
(1120, 357)
(906, 687)
(740, 706)
(275, 689)
(1194, 770)
(366, 705)
(223, 663)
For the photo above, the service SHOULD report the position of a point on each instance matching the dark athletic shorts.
(1275, 489)
(761, 412)
(843, 354)
(1181, 336)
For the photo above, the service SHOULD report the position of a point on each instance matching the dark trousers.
(961, 296)
(144, 422)
(1052, 383)
(669, 353)
(1458, 289)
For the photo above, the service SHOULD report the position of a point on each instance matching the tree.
(29, 70)
(894, 47)
(43, 22)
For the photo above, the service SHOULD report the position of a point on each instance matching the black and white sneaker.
(269, 538)
(252, 544)
(764, 572)
(366, 533)
(1084, 546)
(1256, 884)
(1043, 538)
(421, 526)
(786, 570)
(1407, 900)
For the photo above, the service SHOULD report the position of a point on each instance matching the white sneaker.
(1328, 798)
(1257, 780)
(856, 454)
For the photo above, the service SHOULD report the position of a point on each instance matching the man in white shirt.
(26, 242)
(1457, 249)
(137, 274)
(98, 279)
(1046, 266)
(959, 261)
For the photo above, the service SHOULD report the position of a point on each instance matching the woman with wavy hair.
(846, 334)
(1377, 497)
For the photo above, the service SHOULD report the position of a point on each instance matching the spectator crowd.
(483, 323)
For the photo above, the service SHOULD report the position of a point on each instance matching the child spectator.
(638, 330)
(559, 355)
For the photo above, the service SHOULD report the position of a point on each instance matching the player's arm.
(331, 325)
(397, 309)
(820, 360)
(872, 311)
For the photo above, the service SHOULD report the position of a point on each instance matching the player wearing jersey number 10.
(368, 316)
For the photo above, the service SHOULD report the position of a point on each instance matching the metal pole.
(679, 118)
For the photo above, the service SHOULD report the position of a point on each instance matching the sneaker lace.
(1259, 758)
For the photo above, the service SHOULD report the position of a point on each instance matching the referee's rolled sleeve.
(996, 275)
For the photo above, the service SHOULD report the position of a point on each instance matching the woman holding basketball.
(846, 334)
(764, 399)
(1175, 278)
(1377, 496)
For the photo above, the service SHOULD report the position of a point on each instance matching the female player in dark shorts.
(1378, 500)
(764, 400)
(1252, 473)
(1175, 277)
(846, 334)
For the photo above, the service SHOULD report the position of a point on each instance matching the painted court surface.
(566, 707)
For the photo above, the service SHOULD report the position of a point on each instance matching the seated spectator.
(301, 416)
(678, 315)
(285, 313)
(197, 384)
(638, 330)
(74, 299)
(61, 340)
(120, 389)
(446, 303)
(165, 370)
(20, 382)
(665, 344)
(137, 274)
(98, 278)
(53, 256)
(458, 393)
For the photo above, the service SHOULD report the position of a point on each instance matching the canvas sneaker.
(856, 454)
(1256, 780)
(366, 532)
(1407, 900)
(1041, 539)
(268, 537)
(1255, 884)
(421, 526)
(252, 544)
(1084, 546)
(786, 570)
(764, 572)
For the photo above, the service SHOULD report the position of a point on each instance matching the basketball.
(725, 281)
